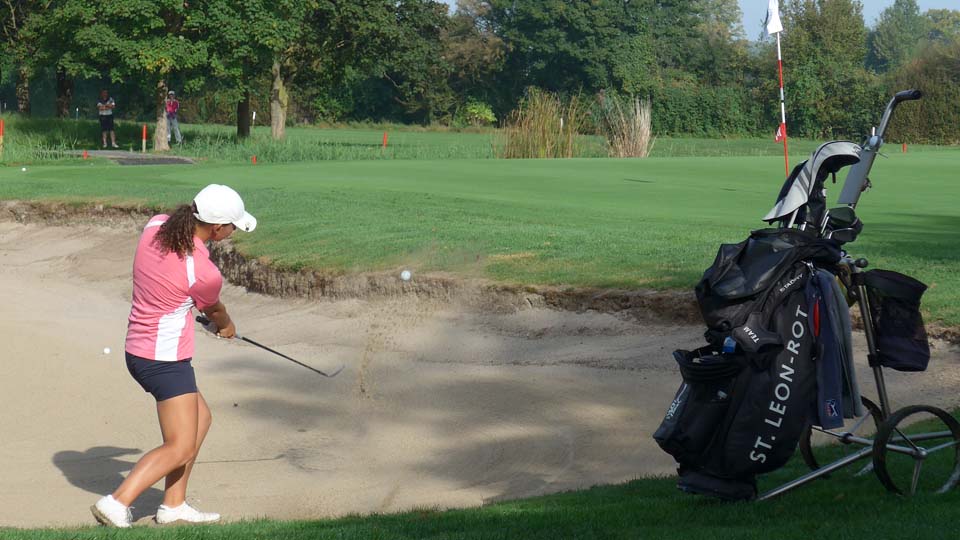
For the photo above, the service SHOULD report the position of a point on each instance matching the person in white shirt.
(105, 106)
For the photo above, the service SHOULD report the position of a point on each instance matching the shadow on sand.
(98, 470)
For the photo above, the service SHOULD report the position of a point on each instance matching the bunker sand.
(439, 406)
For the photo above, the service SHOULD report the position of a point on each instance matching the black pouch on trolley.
(895, 310)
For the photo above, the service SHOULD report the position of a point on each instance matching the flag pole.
(774, 26)
(783, 110)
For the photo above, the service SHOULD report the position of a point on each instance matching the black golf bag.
(778, 356)
(747, 395)
(742, 407)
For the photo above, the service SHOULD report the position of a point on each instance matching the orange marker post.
(253, 160)
(384, 139)
(143, 141)
(85, 155)
(904, 148)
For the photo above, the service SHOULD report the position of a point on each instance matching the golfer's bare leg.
(176, 486)
(178, 424)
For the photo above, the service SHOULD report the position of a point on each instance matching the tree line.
(414, 61)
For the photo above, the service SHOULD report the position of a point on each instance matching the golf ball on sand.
(405, 275)
(106, 350)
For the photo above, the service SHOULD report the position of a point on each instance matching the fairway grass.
(635, 224)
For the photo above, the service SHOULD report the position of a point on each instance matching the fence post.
(143, 141)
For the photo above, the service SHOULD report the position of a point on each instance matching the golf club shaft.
(205, 321)
(280, 354)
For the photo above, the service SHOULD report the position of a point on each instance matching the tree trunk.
(243, 116)
(160, 134)
(23, 92)
(64, 94)
(278, 104)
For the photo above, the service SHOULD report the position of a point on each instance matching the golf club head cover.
(753, 337)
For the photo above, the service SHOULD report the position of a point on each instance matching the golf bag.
(779, 356)
(746, 397)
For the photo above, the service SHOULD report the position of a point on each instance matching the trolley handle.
(903, 95)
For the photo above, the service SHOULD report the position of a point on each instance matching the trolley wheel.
(867, 424)
(917, 449)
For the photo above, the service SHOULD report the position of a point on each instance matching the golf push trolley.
(906, 439)
(778, 372)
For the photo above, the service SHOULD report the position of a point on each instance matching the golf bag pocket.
(701, 403)
(895, 311)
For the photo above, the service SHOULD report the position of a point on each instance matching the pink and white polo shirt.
(165, 289)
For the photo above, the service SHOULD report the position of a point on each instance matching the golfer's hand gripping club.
(206, 323)
(209, 325)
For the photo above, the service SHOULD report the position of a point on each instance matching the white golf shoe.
(184, 513)
(112, 513)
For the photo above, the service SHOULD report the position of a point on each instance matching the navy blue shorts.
(162, 379)
(106, 122)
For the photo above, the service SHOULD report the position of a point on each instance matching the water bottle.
(729, 345)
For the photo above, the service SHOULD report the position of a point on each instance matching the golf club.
(205, 321)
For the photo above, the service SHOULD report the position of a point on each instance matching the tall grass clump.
(304, 146)
(45, 140)
(544, 126)
(626, 125)
(32, 149)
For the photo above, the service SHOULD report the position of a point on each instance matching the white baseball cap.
(219, 204)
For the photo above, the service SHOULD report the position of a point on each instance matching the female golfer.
(172, 273)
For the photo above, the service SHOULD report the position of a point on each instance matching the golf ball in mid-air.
(106, 350)
(405, 275)
(24, 169)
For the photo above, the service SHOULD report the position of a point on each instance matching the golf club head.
(335, 372)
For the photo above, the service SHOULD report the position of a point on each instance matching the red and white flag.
(775, 27)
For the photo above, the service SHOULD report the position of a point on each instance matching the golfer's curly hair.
(176, 234)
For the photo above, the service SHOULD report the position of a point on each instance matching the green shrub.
(477, 113)
(703, 111)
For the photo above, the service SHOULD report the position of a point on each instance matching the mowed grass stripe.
(653, 223)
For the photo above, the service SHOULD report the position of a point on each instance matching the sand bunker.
(439, 405)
